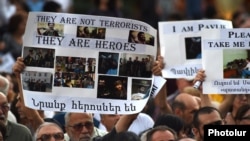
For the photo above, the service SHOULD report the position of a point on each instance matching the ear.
(195, 131)
(178, 111)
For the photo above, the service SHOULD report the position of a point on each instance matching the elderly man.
(80, 126)
(47, 130)
(15, 131)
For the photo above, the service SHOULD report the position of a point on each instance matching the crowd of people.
(178, 115)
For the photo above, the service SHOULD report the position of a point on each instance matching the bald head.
(184, 106)
(4, 85)
(186, 98)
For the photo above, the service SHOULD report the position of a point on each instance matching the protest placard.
(225, 61)
(85, 63)
(180, 43)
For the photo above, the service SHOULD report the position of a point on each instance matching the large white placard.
(225, 52)
(84, 63)
(180, 43)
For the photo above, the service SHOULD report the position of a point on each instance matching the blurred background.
(150, 11)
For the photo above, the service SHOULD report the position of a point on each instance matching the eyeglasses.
(218, 122)
(4, 107)
(46, 137)
(79, 126)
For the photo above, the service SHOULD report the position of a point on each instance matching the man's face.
(51, 26)
(206, 119)
(75, 128)
(109, 121)
(119, 87)
(47, 131)
(188, 113)
(142, 37)
(20, 107)
(245, 120)
(240, 99)
(4, 108)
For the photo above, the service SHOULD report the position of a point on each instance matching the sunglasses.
(47, 137)
(79, 126)
(219, 122)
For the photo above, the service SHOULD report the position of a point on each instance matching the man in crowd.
(15, 131)
(47, 130)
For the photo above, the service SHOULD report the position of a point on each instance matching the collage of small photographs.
(113, 69)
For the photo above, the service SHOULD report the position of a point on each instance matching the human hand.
(19, 66)
(158, 66)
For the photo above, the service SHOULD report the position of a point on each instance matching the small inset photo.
(39, 57)
(193, 47)
(236, 64)
(136, 65)
(140, 89)
(90, 32)
(111, 87)
(37, 81)
(50, 29)
(140, 38)
(108, 63)
(75, 72)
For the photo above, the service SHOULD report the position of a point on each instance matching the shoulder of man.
(18, 131)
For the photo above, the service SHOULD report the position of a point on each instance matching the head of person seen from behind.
(205, 116)
(52, 6)
(172, 121)
(161, 133)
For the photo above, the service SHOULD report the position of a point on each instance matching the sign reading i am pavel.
(225, 60)
(180, 43)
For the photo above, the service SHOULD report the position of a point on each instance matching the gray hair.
(68, 114)
(4, 85)
(46, 124)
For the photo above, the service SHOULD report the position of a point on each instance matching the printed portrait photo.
(108, 63)
(140, 89)
(136, 65)
(37, 81)
(236, 63)
(140, 38)
(75, 72)
(39, 57)
(90, 32)
(50, 29)
(193, 47)
(111, 87)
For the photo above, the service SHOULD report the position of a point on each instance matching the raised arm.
(161, 98)
(32, 115)
(205, 100)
